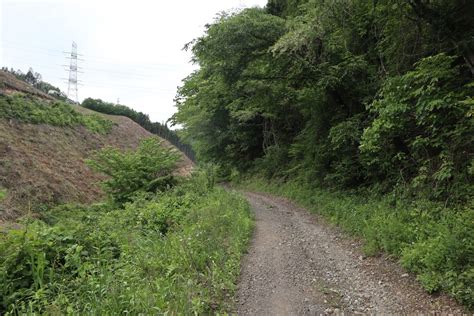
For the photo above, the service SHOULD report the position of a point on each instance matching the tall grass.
(177, 253)
(432, 241)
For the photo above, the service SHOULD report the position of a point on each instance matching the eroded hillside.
(43, 164)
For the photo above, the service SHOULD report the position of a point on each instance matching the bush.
(422, 131)
(148, 169)
(39, 261)
(445, 259)
(177, 252)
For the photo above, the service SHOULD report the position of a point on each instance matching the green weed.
(3, 194)
(177, 252)
(434, 242)
(147, 169)
(30, 110)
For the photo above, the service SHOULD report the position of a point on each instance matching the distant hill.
(43, 163)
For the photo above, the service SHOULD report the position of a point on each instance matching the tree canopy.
(341, 93)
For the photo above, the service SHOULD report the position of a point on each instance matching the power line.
(114, 73)
(89, 69)
(91, 58)
(73, 69)
(30, 47)
(150, 89)
(138, 73)
(101, 84)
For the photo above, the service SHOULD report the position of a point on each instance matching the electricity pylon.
(73, 70)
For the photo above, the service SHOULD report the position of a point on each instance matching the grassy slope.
(435, 243)
(43, 164)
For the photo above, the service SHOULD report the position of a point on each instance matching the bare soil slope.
(297, 264)
(43, 164)
(9, 84)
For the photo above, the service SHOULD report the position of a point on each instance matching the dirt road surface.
(298, 264)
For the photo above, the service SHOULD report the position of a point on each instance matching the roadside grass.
(32, 110)
(432, 241)
(176, 252)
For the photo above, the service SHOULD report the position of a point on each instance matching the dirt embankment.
(10, 84)
(297, 264)
(42, 164)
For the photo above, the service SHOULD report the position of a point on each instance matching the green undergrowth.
(434, 242)
(175, 252)
(32, 110)
(3, 194)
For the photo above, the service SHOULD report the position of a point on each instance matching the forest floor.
(298, 264)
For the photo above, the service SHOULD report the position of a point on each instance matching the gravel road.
(298, 264)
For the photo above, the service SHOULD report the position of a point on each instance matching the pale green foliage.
(350, 95)
(147, 169)
(291, 90)
(422, 127)
(231, 89)
(175, 253)
(31, 110)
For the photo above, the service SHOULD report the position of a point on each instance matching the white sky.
(132, 49)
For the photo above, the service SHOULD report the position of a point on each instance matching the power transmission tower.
(73, 70)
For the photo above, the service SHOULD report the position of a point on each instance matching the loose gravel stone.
(298, 264)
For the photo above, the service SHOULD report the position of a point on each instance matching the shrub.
(175, 252)
(148, 169)
(445, 260)
(422, 132)
(39, 261)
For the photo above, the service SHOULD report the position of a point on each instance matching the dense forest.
(359, 110)
(341, 93)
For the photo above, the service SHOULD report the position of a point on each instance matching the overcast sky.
(132, 50)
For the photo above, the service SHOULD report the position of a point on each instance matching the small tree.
(148, 169)
(32, 77)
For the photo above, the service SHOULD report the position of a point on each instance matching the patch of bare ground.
(298, 264)
(185, 165)
(10, 84)
(43, 164)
